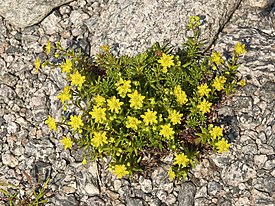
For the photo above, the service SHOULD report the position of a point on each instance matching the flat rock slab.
(142, 23)
(24, 13)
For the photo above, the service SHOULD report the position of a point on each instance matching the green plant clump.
(156, 103)
(35, 197)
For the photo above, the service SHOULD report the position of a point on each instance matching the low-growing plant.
(11, 194)
(157, 102)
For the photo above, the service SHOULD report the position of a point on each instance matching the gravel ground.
(244, 176)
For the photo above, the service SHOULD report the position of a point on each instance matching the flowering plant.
(155, 103)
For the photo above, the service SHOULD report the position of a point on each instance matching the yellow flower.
(177, 90)
(166, 61)
(204, 106)
(180, 95)
(216, 58)
(51, 123)
(120, 171)
(216, 132)
(123, 87)
(99, 100)
(77, 79)
(105, 48)
(171, 173)
(65, 95)
(175, 117)
(67, 66)
(136, 99)
(181, 160)
(203, 90)
(67, 142)
(222, 145)
(239, 49)
(167, 131)
(182, 98)
(132, 122)
(48, 48)
(219, 83)
(84, 161)
(99, 139)
(99, 114)
(114, 104)
(149, 117)
(37, 64)
(76, 122)
(242, 83)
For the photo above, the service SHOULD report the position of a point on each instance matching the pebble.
(146, 185)
(91, 189)
(9, 159)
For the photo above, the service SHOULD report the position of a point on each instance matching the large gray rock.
(24, 13)
(129, 24)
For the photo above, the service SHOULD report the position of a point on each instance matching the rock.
(237, 173)
(134, 23)
(162, 195)
(78, 17)
(214, 188)
(266, 149)
(9, 159)
(269, 164)
(94, 201)
(242, 103)
(186, 194)
(242, 201)
(25, 13)
(260, 160)
(91, 189)
(261, 3)
(265, 184)
(146, 185)
(261, 199)
(170, 199)
(51, 24)
(117, 185)
(202, 192)
(69, 189)
(134, 202)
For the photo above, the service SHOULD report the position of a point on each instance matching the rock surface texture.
(24, 13)
(244, 176)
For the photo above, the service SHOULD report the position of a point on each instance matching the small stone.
(242, 186)
(112, 195)
(261, 198)
(78, 17)
(202, 192)
(269, 164)
(187, 194)
(51, 24)
(161, 195)
(260, 160)
(146, 186)
(242, 201)
(93, 170)
(91, 190)
(170, 199)
(266, 149)
(117, 185)
(214, 188)
(249, 149)
(10, 160)
(261, 3)
(69, 189)
(237, 173)
(168, 187)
